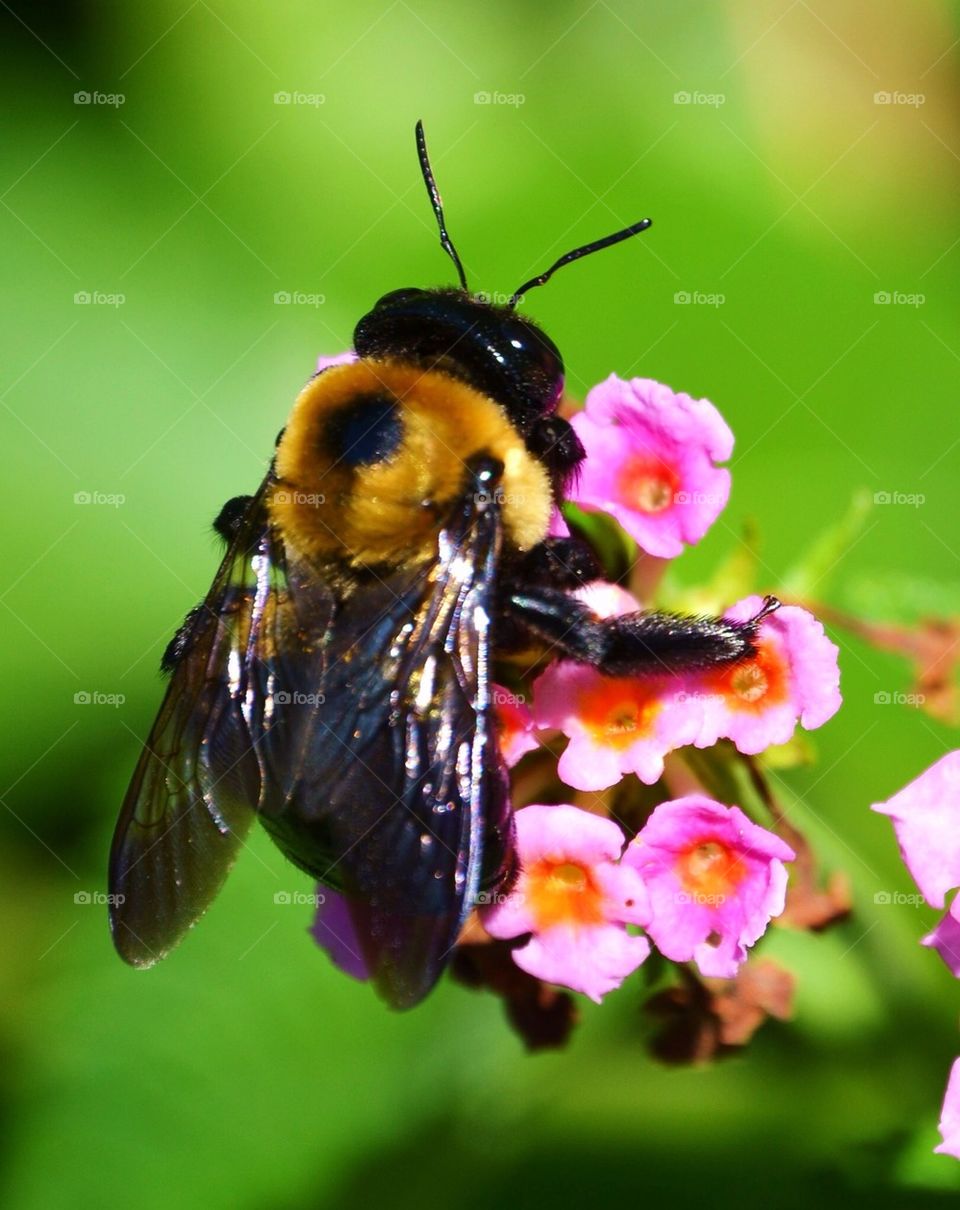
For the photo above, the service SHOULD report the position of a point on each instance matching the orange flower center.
(710, 870)
(648, 484)
(755, 684)
(563, 892)
(619, 712)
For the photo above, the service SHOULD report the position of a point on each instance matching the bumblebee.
(335, 683)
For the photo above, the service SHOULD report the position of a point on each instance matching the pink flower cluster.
(926, 820)
(700, 881)
(700, 878)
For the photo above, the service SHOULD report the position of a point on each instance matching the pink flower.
(650, 462)
(574, 899)
(337, 359)
(950, 1115)
(334, 931)
(793, 678)
(715, 880)
(514, 725)
(615, 725)
(926, 819)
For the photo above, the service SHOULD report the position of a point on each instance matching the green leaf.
(901, 596)
(810, 573)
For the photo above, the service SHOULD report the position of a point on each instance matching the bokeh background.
(800, 159)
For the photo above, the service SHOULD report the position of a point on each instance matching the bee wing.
(198, 780)
(394, 791)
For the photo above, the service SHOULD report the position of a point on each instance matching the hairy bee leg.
(635, 644)
(556, 562)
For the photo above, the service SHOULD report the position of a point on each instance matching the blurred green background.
(245, 1072)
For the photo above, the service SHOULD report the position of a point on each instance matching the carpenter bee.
(336, 681)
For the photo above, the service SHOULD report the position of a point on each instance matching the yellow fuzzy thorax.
(391, 511)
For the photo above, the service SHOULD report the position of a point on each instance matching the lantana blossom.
(715, 880)
(926, 820)
(574, 900)
(615, 725)
(794, 677)
(651, 462)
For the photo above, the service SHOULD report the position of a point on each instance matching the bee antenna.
(434, 193)
(607, 242)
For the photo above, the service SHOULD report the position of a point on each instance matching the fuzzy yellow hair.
(391, 510)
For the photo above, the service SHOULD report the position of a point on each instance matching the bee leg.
(231, 516)
(634, 644)
(557, 562)
(180, 641)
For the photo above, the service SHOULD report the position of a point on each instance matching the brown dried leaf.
(542, 1016)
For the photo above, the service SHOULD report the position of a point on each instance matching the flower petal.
(950, 1115)
(945, 938)
(926, 819)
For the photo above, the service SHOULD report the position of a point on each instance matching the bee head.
(489, 347)
(484, 344)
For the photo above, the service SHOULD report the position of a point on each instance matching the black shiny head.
(489, 346)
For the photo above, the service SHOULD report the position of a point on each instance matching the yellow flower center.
(749, 682)
(562, 892)
(755, 684)
(710, 870)
(619, 712)
(647, 484)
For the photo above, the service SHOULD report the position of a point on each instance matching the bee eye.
(367, 430)
(399, 296)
